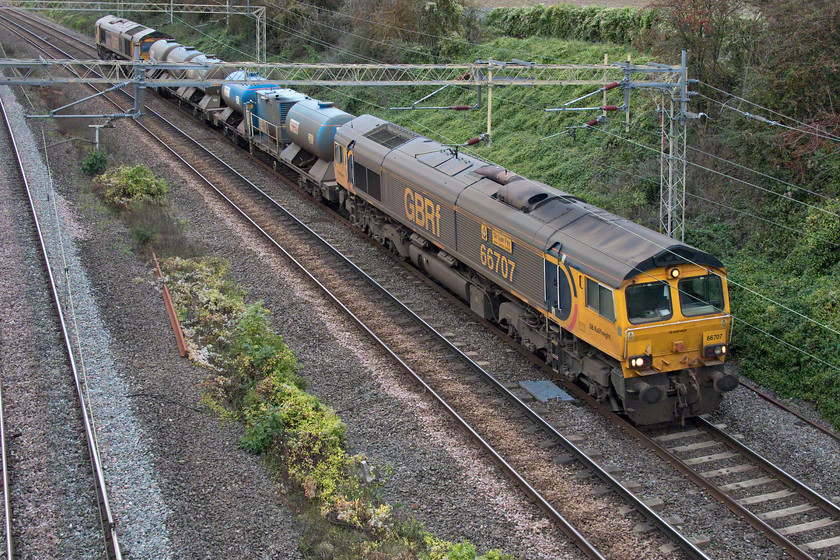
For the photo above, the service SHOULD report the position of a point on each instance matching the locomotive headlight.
(641, 362)
(675, 273)
(715, 351)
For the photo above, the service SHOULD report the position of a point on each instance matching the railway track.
(796, 528)
(111, 541)
(444, 370)
(790, 513)
(9, 547)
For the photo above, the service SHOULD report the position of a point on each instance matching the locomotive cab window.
(650, 302)
(339, 154)
(600, 299)
(701, 295)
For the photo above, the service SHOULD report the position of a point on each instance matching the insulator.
(460, 107)
(466, 76)
(610, 107)
(472, 141)
(611, 86)
(593, 122)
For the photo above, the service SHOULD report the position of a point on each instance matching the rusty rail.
(170, 308)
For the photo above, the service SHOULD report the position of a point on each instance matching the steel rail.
(585, 546)
(730, 503)
(106, 516)
(769, 398)
(7, 504)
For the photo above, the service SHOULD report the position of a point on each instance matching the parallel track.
(7, 494)
(790, 513)
(386, 306)
(112, 544)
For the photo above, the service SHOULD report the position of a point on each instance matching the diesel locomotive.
(638, 319)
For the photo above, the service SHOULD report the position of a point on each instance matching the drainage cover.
(544, 390)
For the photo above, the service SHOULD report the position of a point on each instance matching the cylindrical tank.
(161, 49)
(182, 54)
(237, 96)
(312, 125)
(216, 73)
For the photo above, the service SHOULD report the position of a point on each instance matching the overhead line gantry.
(671, 81)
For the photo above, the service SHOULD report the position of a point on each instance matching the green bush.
(262, 429)
(256, 376)
(126, 185)
(614, 25)
(822, 227)
(95, 162)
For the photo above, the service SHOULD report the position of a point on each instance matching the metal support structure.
(674, 117)
(490, 108)
(120, 7)
(139, 84)
(673, 156)
(43, 72)
(97, 128)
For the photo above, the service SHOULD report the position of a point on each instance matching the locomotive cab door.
(552, 287)
(552, 279)
(340, 166)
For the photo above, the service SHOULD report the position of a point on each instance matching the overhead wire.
(737, 165)
(214, 39)
(720, 204)
(720, 173)
(771, 111)
(822, 134)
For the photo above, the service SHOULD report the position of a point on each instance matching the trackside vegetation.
(564, 21)
(253, 379)
(139, 197)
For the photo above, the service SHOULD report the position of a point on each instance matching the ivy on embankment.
(254, 380)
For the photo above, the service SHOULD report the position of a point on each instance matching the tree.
(710, 30)
(800, 55)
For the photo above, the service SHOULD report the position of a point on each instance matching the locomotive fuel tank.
(312, 125)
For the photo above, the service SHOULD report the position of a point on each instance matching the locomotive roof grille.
(390, 135)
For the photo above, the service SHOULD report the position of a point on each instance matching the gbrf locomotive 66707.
(639, 319)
